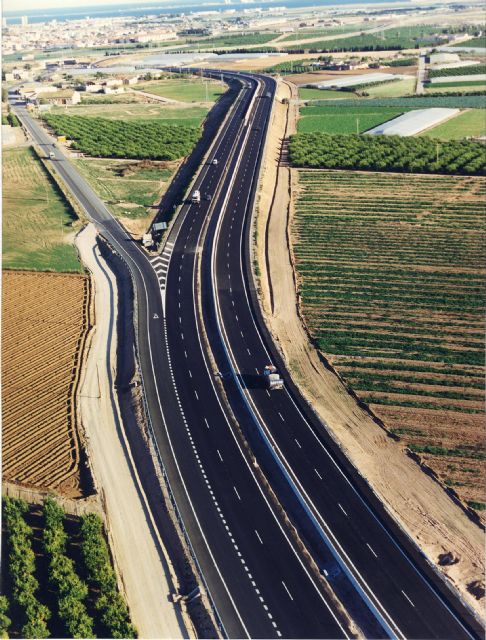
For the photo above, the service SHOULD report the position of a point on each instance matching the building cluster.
(104, 32)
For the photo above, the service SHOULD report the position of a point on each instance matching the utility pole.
(206, 86)
(357, 124)
(437, 148)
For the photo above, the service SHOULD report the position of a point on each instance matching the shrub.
(5, 621)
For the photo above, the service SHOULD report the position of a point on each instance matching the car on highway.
(215, 161)
(208, 197)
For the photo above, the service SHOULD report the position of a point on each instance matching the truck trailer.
(272, 378)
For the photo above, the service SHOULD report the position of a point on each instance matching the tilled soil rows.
(45, 323)
(391, 272)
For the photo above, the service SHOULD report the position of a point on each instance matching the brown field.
(391, 272)
(46, 318)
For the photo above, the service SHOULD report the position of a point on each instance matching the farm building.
(63, 97)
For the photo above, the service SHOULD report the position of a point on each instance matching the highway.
(404, 594)
(256, 579)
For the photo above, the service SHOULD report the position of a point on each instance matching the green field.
(185, 89)
(392, 289)
(419, 102)
(333, 119)
(392, 89)
(319, 94)
(475, 42)
(466, 124)
(186, 116)
(37, 222)
(303, 34)
(451, 87)
(449, 82)
(388, 39)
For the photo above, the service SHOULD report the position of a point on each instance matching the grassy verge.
(37, 221)
(186, 116)
(128, 188)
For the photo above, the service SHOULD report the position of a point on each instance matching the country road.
(253, 571)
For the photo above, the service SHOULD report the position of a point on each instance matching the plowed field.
(44, 325)
(391, 276)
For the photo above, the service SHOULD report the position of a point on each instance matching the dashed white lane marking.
(220, 456)
(190, 374)
(258, 536)
(238, 495)
(372, 551)
(298, 443)
(257, 371)
(249, 352)
(195, 393)
(281, 417)
(285, 587)
(408, 599)
(268, 392)
(207, 423)
(185, 353)
(318, 474)
(342, 509)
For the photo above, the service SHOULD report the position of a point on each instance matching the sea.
(170, 7)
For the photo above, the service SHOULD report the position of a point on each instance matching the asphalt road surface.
(257, 582)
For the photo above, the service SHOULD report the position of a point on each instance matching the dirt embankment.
(413, 498)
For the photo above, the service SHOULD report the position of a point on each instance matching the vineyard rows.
(45, 321)
(104, 138)
(391, 277)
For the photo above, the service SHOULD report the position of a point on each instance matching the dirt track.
(414, 499)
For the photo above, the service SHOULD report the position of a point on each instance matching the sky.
(20, 5)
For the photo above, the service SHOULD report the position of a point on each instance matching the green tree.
(5, 621)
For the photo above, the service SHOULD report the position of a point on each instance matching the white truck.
(196, 197)
(272, 378)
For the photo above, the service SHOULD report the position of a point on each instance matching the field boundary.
(79, 507)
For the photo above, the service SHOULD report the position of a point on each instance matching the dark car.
(208, 197)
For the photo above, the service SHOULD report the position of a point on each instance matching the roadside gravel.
(142, 565)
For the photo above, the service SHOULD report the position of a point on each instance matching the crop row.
(396, 306)
(416, 102)
(389, 39)
(101, 137)
(471, 70)
(387, 153)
